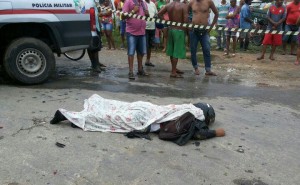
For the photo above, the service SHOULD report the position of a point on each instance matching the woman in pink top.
(136, 39)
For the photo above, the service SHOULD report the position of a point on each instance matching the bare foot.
(260, 58)
(176, 75)
(271, 58)
(164, 50)
(220, 132)
(197, 72)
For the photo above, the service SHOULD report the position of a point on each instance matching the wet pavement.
(259, 110)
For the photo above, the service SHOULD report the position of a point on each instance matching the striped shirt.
(223, 10)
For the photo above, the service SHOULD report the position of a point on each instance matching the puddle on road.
(159, 84)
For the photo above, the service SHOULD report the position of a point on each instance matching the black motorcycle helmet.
(208, 111)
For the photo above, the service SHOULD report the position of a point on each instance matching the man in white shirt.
(150, 31)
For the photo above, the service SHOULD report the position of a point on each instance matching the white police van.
(31, 31)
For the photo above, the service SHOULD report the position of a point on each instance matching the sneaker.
(131, 76)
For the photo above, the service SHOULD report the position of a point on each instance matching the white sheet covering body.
(107, 115)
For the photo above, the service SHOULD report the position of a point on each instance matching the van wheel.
(29, 61)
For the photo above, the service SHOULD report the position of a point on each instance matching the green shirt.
(160, 3)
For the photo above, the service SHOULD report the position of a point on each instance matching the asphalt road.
(261, 145)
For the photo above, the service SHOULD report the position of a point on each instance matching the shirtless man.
(178, 12)
(200, 10)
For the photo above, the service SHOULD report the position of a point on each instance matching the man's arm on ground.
(215, 11)
(207, 134)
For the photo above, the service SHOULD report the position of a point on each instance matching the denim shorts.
(293, 38)
(136, 43)
(107, 26)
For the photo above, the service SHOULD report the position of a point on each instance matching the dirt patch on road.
(249, 71)
(245, 69)
(282, 72)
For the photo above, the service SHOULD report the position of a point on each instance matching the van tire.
(29, 61)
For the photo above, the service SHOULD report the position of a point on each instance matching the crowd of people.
(142, 36)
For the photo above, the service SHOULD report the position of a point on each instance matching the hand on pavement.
(220, 132)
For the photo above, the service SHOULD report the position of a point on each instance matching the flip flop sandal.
(102, 65)
(259, 58)
(233, 54)
(179, 71)
(149, 64)
(176, 76)
(97, 69)
(210, 74)
(142, 73)
(131, 76)
(197, 72)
